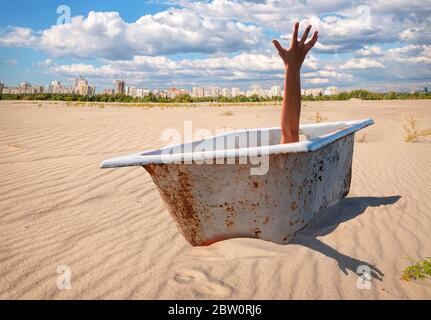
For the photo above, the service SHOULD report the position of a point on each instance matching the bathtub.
(244, 184)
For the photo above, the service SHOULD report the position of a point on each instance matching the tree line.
(186, 98)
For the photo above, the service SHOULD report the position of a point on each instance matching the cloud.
(229, 41)
(245, 62)
(362, 63)
(329, 74)
(369, 51)
(411, 54)
(107, 35)
(326, 76)
(11, 62)
(18, 37)
(45, 63)
(241, 67)
(344, 26)
(421, 34)
(317, 80)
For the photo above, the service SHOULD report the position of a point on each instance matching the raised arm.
(293, 59)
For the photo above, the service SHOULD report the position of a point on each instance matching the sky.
(380, 45)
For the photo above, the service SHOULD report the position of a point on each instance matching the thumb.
(277, 45)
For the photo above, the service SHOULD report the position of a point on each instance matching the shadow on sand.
(329, 219)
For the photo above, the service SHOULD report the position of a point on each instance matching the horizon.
(189, 89)
(220, 43)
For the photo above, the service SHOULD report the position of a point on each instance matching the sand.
(110, 227)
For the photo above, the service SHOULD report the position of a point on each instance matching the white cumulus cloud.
(107, 35)
(18, 37)
(362, 63)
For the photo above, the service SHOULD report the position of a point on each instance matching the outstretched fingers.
(295, 34)
(305, 35)
(310, 44)
(277, 46)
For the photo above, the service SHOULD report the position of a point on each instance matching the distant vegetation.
(368, 95)
(185, 98)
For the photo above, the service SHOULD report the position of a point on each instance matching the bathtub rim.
(142, 158)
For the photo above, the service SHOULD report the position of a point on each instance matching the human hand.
(294, 56)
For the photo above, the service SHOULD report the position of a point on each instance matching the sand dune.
(111, 228)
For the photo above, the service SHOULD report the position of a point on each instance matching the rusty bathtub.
(245, 184)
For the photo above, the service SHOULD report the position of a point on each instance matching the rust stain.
(230, 214)
(206, 243)
(179, 199)
(229, 223)
(228, 207)
(188, 197)
(257, 232)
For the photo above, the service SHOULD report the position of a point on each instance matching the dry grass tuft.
(363, 139)
(317, 118)
(227, 113)
(14, 145)
(413, 133)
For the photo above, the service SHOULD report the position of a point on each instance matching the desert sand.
(112, 229)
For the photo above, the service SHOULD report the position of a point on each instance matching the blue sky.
(226, 43)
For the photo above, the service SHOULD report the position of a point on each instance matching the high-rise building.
(236, 92)
(173, 92)
(92, 90)
(38, 89)
(216, 92)
(314, 92)
(76, 82)
(131, 91)
(120, 87)
(194, 92)
(1, 87)
(276, 91)
(226, 93)
(25, 87)
(207, 92)
(109, 92)
(84, 90)
(201, 92)
(161, 93)
(56, 87)
(329, 91)
(140, 93)
(267, 93)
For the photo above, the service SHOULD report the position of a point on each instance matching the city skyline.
(81, 86)
(222, 43)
